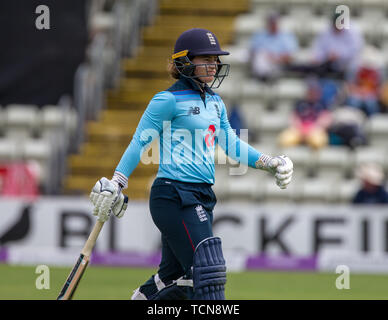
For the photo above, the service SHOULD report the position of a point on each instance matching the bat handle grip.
(90, 243)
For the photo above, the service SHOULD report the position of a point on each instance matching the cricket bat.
(76, 273)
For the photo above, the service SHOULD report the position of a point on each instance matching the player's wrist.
(120, 179)
(263, 161)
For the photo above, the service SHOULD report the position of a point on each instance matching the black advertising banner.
(42, 44)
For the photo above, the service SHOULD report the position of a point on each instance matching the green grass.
(18, 282)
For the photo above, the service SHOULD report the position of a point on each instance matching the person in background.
(336, 53)
(372, 190)
(347, 127)
(337, 50)
(309, 120)
(363, 91)
(383, 97)
(271, 50)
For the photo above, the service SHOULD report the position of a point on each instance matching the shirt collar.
(193, 85)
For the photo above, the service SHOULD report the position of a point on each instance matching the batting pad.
(209, 270)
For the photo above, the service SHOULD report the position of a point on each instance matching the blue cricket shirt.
(189, 123)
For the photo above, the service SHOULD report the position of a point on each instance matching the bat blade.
(74, 278)
(78, 270)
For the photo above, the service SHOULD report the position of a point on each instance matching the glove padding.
(107, 197)
(281, 167)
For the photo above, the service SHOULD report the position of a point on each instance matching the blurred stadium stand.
(325, 175)
(81, 137)
(53, 81)
(38, 118)
(143, 74)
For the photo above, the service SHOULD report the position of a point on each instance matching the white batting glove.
(107, 197)
(280, 166)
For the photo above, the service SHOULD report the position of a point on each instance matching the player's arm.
(106, 193)
(233, 146)
(281, 167)
(161, 108)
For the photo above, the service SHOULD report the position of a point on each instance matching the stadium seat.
(299, 10)
(290, 89)
(377, 130)
(221, 184)
(247, 24)
(375, 4)
(289, 24)
(244, 187)
(374, 10)
(21, 121)
(346, 190)
(303, 56)
(9, 150)
(52, 118)
(265, 148)
(235, 181)
(332, 162)
(366, 25)
(59, 121)
(317, 24)
(369, 154)
(285, 106)
(318, 190)
(270, 124)
(230, 89)
(251, 111)
(273, 194)
(302, 158)
(254, 91)
(330, 4)
(239, 67)
(39, 152)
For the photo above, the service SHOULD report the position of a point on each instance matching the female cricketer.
(189, 119)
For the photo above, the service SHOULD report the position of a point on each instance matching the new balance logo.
(194, 110)
(211, 38)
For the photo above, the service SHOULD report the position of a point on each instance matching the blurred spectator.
(271, 50)
(235, 119)
(347, 127)
(372, 190)
(330, 92)
(309, 121)
(337, 50)
(18, 180)
(383, 97)
(363, 91)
